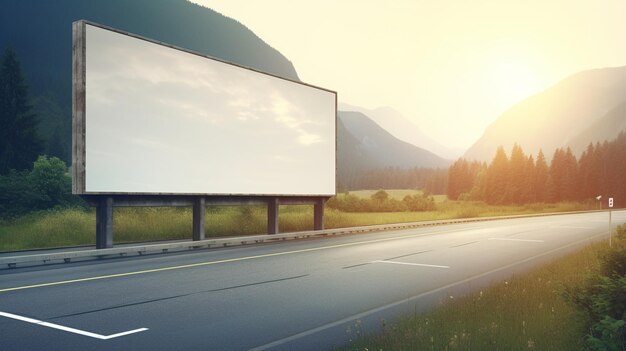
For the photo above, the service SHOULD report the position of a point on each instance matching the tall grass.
(524, 312)
(67, 227)
(70, 227)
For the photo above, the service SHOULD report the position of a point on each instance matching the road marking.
(412, 264)
(569, 227)
(512, 239)
(70, 330)
(465, 244)
(200, 264)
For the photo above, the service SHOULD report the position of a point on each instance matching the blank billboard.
(155, 119)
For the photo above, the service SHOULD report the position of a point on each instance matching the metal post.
(318, 214)
(199, 210)
(609, 228)
(272, 215)
(104, 222)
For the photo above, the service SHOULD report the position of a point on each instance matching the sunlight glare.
(513, 81)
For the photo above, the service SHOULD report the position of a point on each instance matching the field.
(70, 227)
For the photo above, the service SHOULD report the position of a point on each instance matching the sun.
(513, 81)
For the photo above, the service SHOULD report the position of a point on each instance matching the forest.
(523, 179)
(431, 181)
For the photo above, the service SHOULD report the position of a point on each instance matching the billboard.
(150, 118)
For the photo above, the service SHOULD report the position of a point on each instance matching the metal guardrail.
(68, 256)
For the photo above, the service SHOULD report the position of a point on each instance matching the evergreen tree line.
(20, 143)
(522, 179)
(432, 181)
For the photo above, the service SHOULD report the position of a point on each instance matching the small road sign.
(610, 202)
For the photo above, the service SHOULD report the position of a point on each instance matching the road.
(293, 295)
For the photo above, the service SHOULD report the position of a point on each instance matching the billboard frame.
(105, 201)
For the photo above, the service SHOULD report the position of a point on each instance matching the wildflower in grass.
(531, 344)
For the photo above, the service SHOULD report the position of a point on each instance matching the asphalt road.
(293, 295)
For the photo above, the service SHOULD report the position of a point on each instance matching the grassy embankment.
(524, 312)
(77, 227)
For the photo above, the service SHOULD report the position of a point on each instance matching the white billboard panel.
(161, 120)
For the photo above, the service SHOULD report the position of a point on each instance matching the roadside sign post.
(610, 207)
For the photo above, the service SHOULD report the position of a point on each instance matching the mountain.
(583, 108)
(402, 128)
(362, 144)
(40, 32)
(606, 128)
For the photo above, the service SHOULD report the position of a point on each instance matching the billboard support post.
(318, 214)
(199, 210)
(272, 215)
(104, 222)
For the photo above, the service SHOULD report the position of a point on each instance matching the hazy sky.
(450, 66)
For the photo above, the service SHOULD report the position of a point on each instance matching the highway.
(293, 295)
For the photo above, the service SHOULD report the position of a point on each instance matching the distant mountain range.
(589, 106)
(362, 144)
(402, 128)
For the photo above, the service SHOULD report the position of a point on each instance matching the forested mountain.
(363, 145)
(400, 127)
(40, 32)
(583, 108)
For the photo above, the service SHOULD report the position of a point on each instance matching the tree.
(496, 178)
(47, 186)
(529, 190)
(515, 184)
(19, 143)
(380, 196)
(541, 178)
(459, 180)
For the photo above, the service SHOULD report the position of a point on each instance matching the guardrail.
(68, 256)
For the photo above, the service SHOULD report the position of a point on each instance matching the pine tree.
(515, 184)
(496, 178)
(587, 174)
(459, 179)
(529, 191)
(570, 190)
(19, 143)
(541, 178)
(556, 176)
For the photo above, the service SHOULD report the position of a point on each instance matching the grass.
(524, 312)
(70, 227)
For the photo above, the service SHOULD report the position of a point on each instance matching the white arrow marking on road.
(68, 329)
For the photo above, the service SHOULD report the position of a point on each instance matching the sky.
(451, 67)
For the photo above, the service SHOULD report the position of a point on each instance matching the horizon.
(458, 74)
